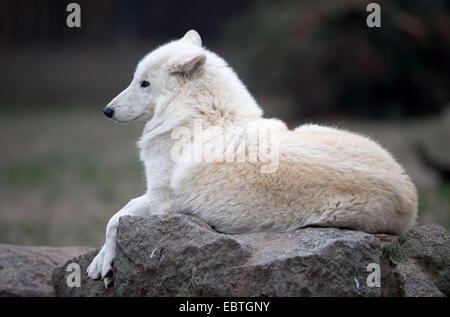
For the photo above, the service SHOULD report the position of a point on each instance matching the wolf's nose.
(108, 111)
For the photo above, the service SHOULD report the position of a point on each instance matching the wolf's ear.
(193, 37)
(189, 66)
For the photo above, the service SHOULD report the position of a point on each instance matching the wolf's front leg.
(101, 266)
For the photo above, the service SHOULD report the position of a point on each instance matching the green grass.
(444, 193)
(403, 238)
(60, 181)
(395, 250)
(22, 174)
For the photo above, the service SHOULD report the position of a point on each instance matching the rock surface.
(27, 271)
(194, 260)
(422, 264)
(180, 255)
(88, 287)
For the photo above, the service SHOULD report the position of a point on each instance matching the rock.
(426, 251)
(179, 255)
(87, 287)
(421, 266)
(27, 271)
(408, 281)
(429, 247)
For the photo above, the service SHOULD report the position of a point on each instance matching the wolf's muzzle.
(108, 111)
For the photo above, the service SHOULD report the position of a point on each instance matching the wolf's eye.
(144, 84)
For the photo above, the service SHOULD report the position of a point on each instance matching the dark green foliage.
(395, 251)
(323, 54)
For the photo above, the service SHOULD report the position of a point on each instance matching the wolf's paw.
(94, 270)
(102, 267)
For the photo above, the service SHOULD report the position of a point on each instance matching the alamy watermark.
(73, 19)
(374, 278)
(374, 18)
(73, 279)
(253, 144)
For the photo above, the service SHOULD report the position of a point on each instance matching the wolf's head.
(158, 76)
(180, 77)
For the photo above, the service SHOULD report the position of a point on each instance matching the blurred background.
(65, 169)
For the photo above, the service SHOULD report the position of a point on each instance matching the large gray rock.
(421, 266)
(180, 255)
(405, 280)
(428, 247)
(27, 271)
(87, 287)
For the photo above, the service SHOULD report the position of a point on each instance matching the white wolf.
(324, 176)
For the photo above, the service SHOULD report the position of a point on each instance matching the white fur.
(325, 176)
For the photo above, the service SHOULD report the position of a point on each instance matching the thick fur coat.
(311, 176)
